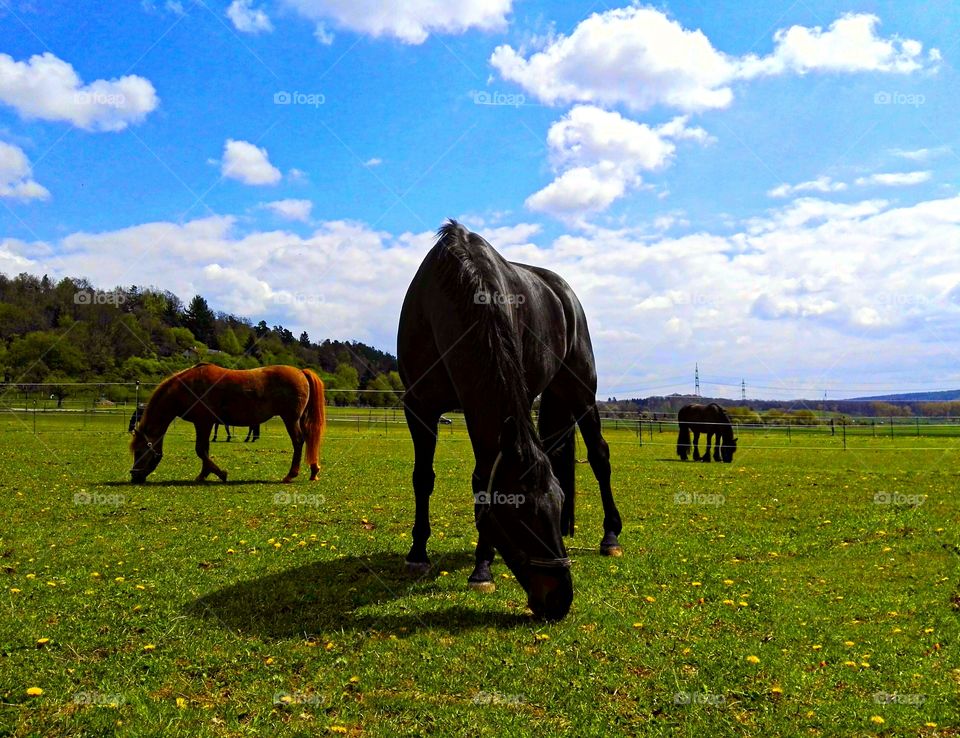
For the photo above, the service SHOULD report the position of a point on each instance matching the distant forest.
(61, 332)
(795, 412)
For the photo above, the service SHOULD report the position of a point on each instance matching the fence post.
(891, 427)
(844, 436)
(918, 427)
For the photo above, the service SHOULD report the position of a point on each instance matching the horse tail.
(683, 441)
(314, 417)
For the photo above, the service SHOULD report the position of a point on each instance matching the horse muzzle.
(550, 592)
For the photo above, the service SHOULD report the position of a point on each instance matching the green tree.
(347, 384)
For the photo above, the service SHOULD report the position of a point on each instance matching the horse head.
(727, 449)
(147, 453)
(520, 512)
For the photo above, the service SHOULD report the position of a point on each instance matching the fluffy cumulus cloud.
(247, 163)
(248, 19)
(411, 22)
(830, 277)
(600, 154)
(290, 209)
(639, 57)
(16, 180)
(47, 88)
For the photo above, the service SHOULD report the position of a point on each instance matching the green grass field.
(801, 590)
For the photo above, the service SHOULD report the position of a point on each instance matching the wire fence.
(80, 407)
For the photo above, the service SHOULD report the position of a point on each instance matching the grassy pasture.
(801, 590)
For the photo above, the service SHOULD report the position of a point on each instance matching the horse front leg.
(706, 455)
(716, 447)
(598, 454)
(481, 579)
(296, 438)
(423, 430)
(202, 446)
(696, 445)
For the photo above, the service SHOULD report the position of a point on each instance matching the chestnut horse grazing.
(206, 394)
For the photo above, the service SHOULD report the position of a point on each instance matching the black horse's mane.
(727, 429)
(499, 353)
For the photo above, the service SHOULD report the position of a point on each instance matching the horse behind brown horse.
(205, 394)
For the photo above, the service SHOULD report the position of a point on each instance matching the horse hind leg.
(296, 438)
(423, 431)
(598, 454)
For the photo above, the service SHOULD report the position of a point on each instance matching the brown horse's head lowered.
(206, 394)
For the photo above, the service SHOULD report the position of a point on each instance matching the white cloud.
(47, 88)
(924, 154)
(600, 155)
(866, 288)
(323, 35)
(850, 44)
(411, 22)
(16, 182)
(639, 57)
(820, 184)
(290, 209)
(373, 162)
(895, 179)
(248, 164)
(247, 19)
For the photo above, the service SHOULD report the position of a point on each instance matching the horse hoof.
(286, 480)
(614, 551)
(417, 568)
(484, 587)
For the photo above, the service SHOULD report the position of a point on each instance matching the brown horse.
(206, 394)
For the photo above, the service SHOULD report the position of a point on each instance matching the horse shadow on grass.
(194, 483)
(337, 595)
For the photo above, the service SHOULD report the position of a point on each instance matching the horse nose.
(551, 595)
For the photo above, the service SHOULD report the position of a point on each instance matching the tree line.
(57, 333)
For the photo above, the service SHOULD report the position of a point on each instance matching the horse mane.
(161, 390)
(728, 427)
(500, 357)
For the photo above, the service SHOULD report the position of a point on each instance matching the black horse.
(483, 334)
(712, 420)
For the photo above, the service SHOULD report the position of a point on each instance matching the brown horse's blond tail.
(314, 417)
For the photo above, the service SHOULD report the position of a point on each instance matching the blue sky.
(767, 189)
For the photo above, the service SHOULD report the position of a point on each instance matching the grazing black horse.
(483, 334)
(712, 420)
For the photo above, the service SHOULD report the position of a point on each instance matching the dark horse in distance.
(205, 394)
(486, 335)
(714, 422)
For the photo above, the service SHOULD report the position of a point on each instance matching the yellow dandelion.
(118, 579)
(34, 691)
(149, 647)
(929, 725)
(743, 603)
(444, 573)
(638, 625)
(42, 641)
(650, 598)
(230, 551)
(329, 646)
(877, 720)
(728, 582)
(849, 663)
(865, 664)
(729, 602)
(14, 590)
(181, 703)
(928, 630)
(816, 646)
(897, 630)
(96, 574)
(695, 584)
(777, 690)
(354, 679)
(849, 644)
(269, 661)
(542, 637)
(338, 729)
(751, 659)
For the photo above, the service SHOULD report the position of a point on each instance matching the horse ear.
(509, 435)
